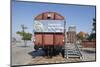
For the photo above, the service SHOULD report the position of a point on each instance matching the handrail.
(78, 49)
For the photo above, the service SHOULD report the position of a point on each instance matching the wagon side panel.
(59, 39)
(38, 39)
(47, 39)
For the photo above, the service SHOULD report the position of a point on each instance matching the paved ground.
(20, 54)
(55, 59)
(88, 54)
(27, 55)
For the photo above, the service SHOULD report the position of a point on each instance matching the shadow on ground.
(37, 53)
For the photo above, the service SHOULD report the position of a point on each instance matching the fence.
(88, 44)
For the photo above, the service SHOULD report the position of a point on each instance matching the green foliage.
(25, 36)
(20, 33)
(80, 36)
(94, 24)
(93, 35)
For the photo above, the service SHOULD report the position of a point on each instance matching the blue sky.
(24, 13)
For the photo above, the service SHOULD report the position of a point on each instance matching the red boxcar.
(49, 39)
(52, 41)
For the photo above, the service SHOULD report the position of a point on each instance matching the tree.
(25, 36)
(80, 36)
(92, 36)
(93, 33)
(94, 25)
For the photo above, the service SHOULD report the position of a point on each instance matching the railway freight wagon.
(49, 29)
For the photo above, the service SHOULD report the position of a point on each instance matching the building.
(72, 28)
(82, 35)
(71, 34)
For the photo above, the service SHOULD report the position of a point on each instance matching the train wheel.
(36, 47)
(51, 52)
(62, 52)
(48, 52)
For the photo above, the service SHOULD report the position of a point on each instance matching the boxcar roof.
(49, 16)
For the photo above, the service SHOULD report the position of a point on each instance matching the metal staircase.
(72, 51)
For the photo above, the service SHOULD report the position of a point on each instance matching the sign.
(49, 25)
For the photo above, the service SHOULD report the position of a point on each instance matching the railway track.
(73, 56)
(54, 59)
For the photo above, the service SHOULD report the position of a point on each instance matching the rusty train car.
(49, 29)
